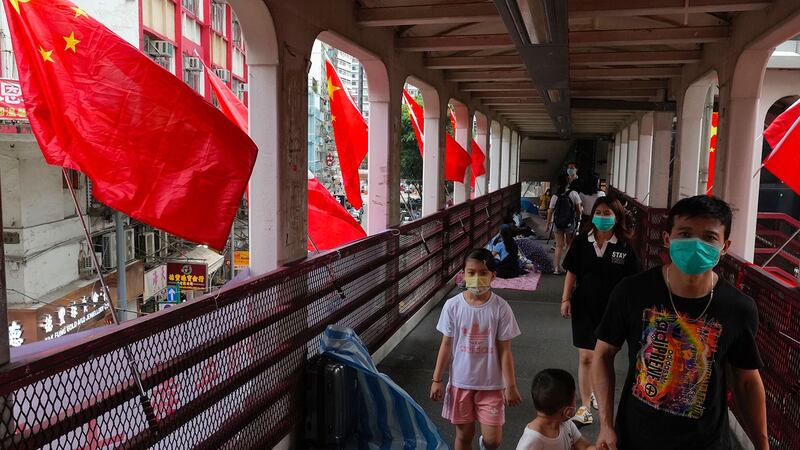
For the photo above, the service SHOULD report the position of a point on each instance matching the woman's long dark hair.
(591, 185)
(620, 222)
(507, 235)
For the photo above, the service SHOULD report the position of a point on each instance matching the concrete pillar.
(662, 143)
(623, 161)
(633, 158)
(495, 158)
(690, 132)
(514, 157)
(505, 168)
(482, 139)
(433, 158)
(645, 157)
(613, 179)
(742, 150)
(4, 337)
(463, 134)
(383, 171)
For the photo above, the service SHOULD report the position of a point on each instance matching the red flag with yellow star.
(350, 133)
(153, 148)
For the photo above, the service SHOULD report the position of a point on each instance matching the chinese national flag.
(349, 132)
(478, 162)
(783, 136)
(456, 159)
(329, 224)
(152, 147)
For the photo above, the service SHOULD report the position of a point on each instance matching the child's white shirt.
(475, 331)
(568, 435)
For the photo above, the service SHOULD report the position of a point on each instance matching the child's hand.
(513, 397)
(436, 391)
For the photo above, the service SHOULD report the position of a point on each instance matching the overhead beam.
(487, 75)
(427, 15)
(506, 94)
(647, 36)
(608, 84)
(625, 73)
(454, 43)
(626, 58)
(495, 86)
(610, 105)
(605, 8)
(467, 62)
(512, 101)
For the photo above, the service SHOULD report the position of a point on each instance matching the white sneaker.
(594, 402)
(480, 443)
(583, 416)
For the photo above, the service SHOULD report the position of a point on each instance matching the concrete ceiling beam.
(427, 15)
(617, 84)
(625, 73)
(648, 36)
(488, 75)
(513, 101)
(626, 58)
(477, 62)
(530, 93)
(455, 43)
(600, 8)
(518, 86)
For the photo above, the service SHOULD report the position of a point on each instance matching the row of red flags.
(160, 153)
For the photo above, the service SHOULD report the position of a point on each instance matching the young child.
(478, 327)
(553, 392)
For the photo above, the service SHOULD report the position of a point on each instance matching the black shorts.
(583, 327)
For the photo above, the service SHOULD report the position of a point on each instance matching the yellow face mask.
(478, 284)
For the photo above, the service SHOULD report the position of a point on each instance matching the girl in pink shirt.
(478, 327)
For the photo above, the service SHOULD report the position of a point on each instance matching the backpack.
(564, 212)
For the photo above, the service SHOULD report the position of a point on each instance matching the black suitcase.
(330, 403)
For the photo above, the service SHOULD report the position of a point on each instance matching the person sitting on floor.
(506, 253)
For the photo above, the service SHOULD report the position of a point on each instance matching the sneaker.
(480, 443)
(594, 402)
(583, 416)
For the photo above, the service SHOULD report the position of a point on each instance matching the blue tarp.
(528, 205)
(388, 417)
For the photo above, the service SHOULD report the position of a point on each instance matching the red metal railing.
(778, 337)
(773, 231)
(226, 371)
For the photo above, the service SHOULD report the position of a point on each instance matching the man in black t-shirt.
(690, 336)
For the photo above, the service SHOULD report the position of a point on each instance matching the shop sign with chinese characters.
(190, 277)
(11, 105)
(67, 319)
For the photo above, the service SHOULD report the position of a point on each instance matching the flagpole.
(147, 406)
(780, 249)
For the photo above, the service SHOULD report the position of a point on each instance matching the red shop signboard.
(190, 277)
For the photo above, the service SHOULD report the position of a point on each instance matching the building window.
(193, 6)
(74, 178)
(191, 29)
(194, 78)
(237, 67)
(236, 33)
(161, 52)
(218, 17)
(238, 88)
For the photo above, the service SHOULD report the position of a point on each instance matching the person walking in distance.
(477, 327)
(599, 258)
(691, 336)
(562, 218)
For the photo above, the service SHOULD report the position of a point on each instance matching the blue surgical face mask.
(604, 223)
(694, 256)
(572, 171)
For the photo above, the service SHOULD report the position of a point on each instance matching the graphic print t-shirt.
(675, 391)
(475, 331)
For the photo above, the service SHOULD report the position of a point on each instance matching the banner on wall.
(11, 104)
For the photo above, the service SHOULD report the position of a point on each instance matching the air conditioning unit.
(223, 74)
(109, 243)
(130, 245)
(149, 246)
(192, 64)
(161, 48)
(243, 87)
(163, 243)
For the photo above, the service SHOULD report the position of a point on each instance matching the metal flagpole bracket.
(332, 276)
(463, 228)
(144, 399)
(424, 244)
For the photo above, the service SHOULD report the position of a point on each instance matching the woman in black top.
(599, 258)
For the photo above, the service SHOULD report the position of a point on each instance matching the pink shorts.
(467, 405)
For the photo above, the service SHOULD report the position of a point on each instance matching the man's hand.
(607, 439)
(513, 397)
(437, 392)
(566, 309)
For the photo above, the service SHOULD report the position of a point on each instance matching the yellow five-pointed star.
(46, 54)
(15, 3)
(71, 42)
(78, 12)
(331, 88)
